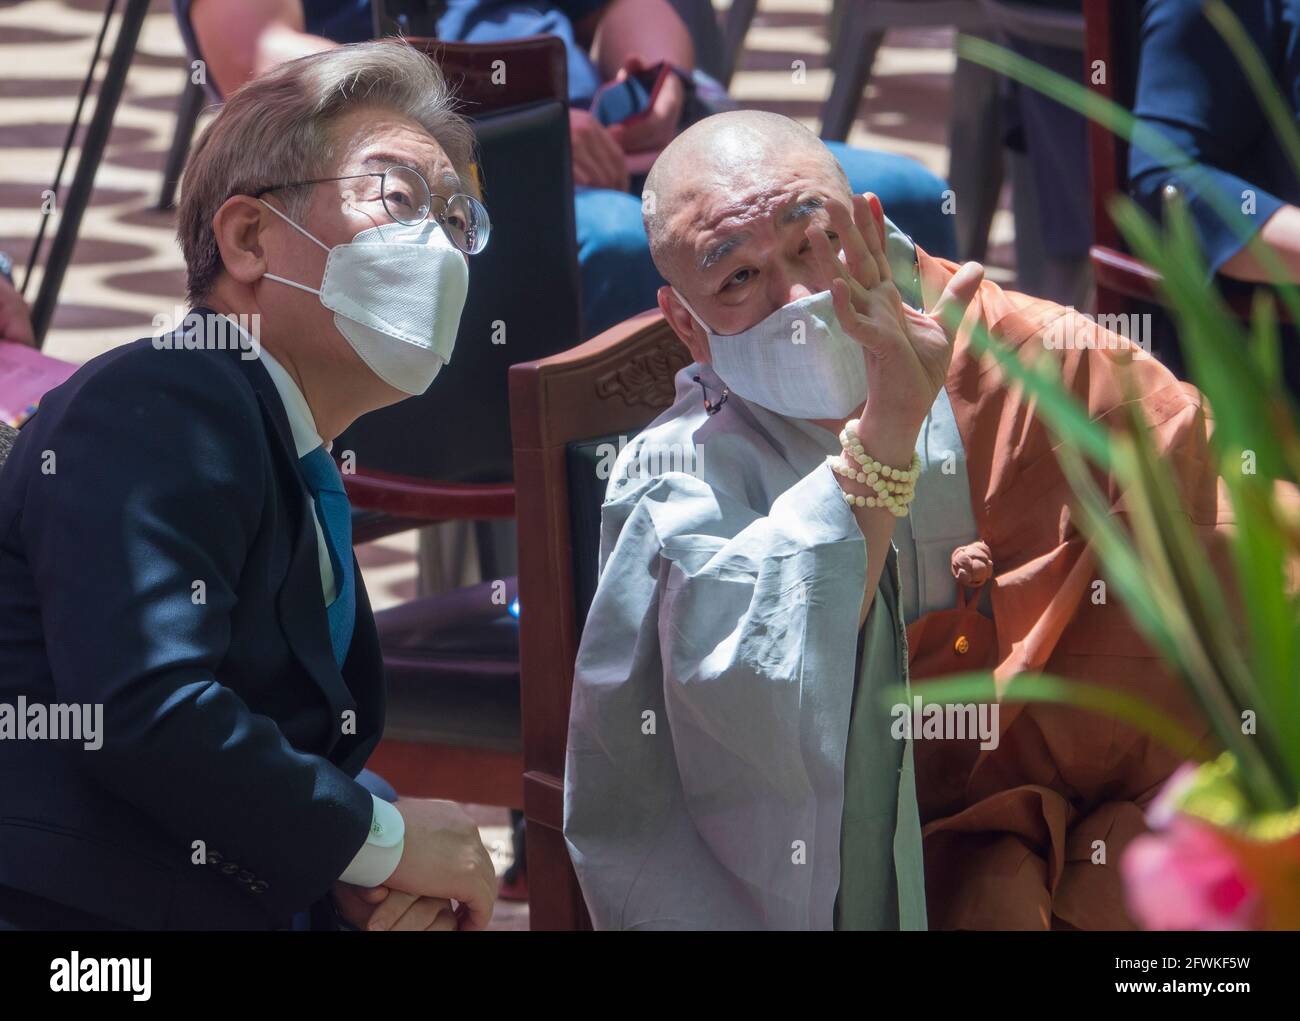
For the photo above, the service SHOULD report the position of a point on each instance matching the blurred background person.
(605, 39)
(1193, 90)
(1051, 194)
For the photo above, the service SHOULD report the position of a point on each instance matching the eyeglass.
(408, 200)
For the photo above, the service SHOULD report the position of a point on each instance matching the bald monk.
(842, 487)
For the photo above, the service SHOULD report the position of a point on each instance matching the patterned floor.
(127, 268)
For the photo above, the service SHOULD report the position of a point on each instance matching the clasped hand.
(378, 908)
(443, 860)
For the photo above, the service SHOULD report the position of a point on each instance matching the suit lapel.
(300, 602)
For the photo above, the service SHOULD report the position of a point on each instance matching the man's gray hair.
(276, 128)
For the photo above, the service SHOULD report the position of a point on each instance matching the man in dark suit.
(190, 677)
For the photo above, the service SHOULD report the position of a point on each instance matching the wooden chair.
(568, 412)
(1111, 37)
(452, 659)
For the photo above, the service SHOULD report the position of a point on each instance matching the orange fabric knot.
(972, 564)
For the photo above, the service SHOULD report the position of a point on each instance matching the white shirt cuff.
(378, 857)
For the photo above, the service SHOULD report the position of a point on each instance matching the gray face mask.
(797, 362)
(396, 292)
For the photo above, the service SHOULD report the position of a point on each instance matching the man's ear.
(238, 228)
(684, 325)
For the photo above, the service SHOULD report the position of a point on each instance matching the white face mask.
(396, 292)
(798, 361)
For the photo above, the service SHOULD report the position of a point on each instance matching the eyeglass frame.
(381, 174)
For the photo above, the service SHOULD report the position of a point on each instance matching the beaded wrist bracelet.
(894, 488)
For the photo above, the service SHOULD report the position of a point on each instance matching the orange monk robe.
(1012, 834)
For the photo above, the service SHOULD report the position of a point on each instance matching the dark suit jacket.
(225, 719)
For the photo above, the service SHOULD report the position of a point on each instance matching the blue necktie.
(335, 516)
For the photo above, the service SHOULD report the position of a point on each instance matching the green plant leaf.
(979, 688)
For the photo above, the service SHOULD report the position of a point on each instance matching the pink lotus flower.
(1185, 877)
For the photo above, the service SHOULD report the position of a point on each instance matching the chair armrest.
(1124, 274)
(420, 500)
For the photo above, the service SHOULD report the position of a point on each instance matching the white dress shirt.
(378, 857)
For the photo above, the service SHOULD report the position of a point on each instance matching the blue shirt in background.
(1192, 88)
(477, 21)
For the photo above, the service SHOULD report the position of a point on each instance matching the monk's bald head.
(718, 162)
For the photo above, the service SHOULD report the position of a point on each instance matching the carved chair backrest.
(570, 414)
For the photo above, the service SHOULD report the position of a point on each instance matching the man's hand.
(379, 909)
(597, 158)
(15, 323)
(655, 130)
(907, 351)
(444, 857)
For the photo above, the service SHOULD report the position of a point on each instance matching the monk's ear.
(684, 325)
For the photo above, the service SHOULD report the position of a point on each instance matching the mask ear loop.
(710, 408)
(687, 305)
(305, 233)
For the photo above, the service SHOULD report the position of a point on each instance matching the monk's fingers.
(829, 267)
(951, 307)
(857, 256)
(869, 215)
(865, 329)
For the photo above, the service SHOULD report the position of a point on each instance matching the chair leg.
(975, 161)
(853, 47)
(93, 143)
(187, 116)
(554, 897)
(835, 30)
(739, 18)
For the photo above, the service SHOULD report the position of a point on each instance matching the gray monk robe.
(730, 764)
(705, 782)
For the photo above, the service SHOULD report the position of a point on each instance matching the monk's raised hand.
(907, 352)
(861, 261)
